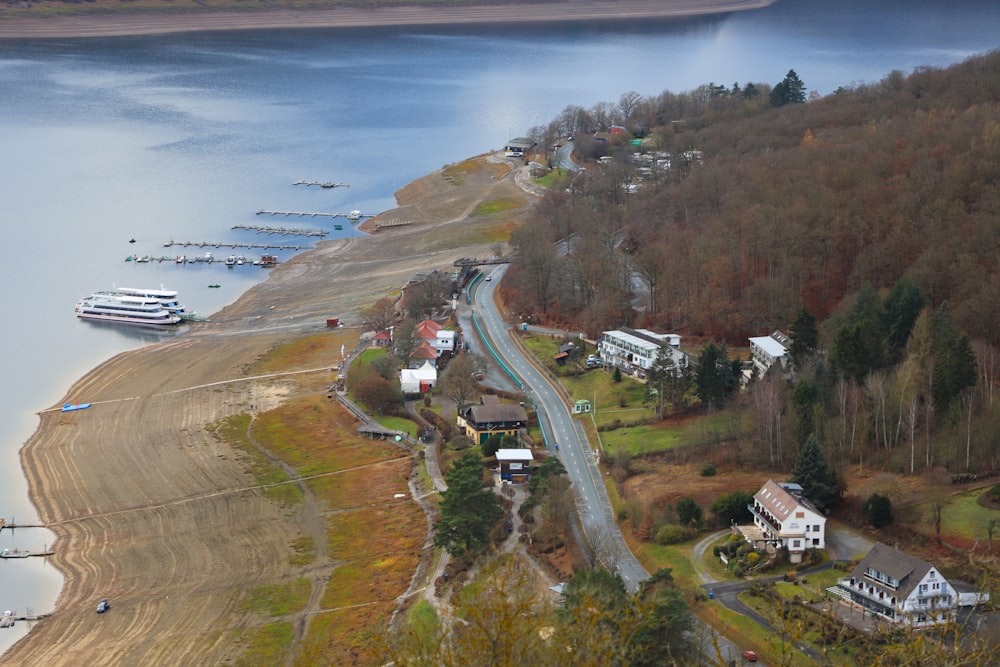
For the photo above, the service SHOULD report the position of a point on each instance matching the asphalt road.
(574, 451)
(562, 432)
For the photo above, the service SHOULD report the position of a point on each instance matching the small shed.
(581, 406)
(563, 352)
(515, 465)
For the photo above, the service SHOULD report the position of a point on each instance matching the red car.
(750, 656)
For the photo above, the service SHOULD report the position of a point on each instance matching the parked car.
(103, 606)
(750, 656)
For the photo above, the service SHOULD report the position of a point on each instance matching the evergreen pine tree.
(791, 90)
(805, 338)
(818, 481)
(469, 511)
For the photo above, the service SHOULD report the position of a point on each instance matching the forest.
(766, 208)
(864, 224)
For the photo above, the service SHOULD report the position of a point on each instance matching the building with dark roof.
(491, 417)
(899, 588)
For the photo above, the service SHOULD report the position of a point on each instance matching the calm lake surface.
(182, 137)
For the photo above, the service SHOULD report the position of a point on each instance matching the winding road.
(564, 437)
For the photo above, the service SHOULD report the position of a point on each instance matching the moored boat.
(125, 309)
(166, 297)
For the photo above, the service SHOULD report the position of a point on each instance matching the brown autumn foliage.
(783, 207)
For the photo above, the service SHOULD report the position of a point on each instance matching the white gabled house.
(782, 517)
(766, 351)
(638, 348)
(900, 588)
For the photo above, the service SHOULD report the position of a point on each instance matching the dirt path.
(155, 513)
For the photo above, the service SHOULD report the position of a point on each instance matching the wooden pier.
(389, 225)
(352, 216)
(23, 553)
(8, 618)
(282, 231)
(11, 525)
(220, 244)
(325, 185)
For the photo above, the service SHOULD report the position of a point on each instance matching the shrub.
(878, 510)
(708, 470)
(689, 513)
(994, 493)
(732, 507)
(671, 533)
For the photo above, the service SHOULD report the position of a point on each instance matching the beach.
(154, 512)
(121, 24)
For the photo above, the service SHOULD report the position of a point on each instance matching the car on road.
(103, 606)
(750, 656)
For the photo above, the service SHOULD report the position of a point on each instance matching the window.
(815, 527)
(796, 544)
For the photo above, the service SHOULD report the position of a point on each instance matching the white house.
(765, 351)
(418, 380)
(783, 517)
(439, 338)
(900, 588)
(637, 348)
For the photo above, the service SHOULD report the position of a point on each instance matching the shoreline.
(151, 510)
(125, 24)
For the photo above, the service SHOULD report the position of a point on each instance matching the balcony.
(768, 520)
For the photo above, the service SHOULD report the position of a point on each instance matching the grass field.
(356, 481)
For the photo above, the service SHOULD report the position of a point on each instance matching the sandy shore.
(586, 10)
(148, 507)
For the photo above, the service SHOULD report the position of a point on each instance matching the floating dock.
(221, 244)
(11, 525)
(283, 231)
(325, 185)
(8, 618)
(353, 215)
(23, 553)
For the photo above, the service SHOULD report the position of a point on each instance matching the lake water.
(183, 137)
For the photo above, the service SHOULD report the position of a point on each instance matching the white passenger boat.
(125, 309)
(166, 297)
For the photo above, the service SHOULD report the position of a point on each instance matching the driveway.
(844, 543)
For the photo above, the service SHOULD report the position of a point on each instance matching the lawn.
(553, 179)
(964, 516)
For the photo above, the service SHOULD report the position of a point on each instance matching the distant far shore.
(125, 23)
